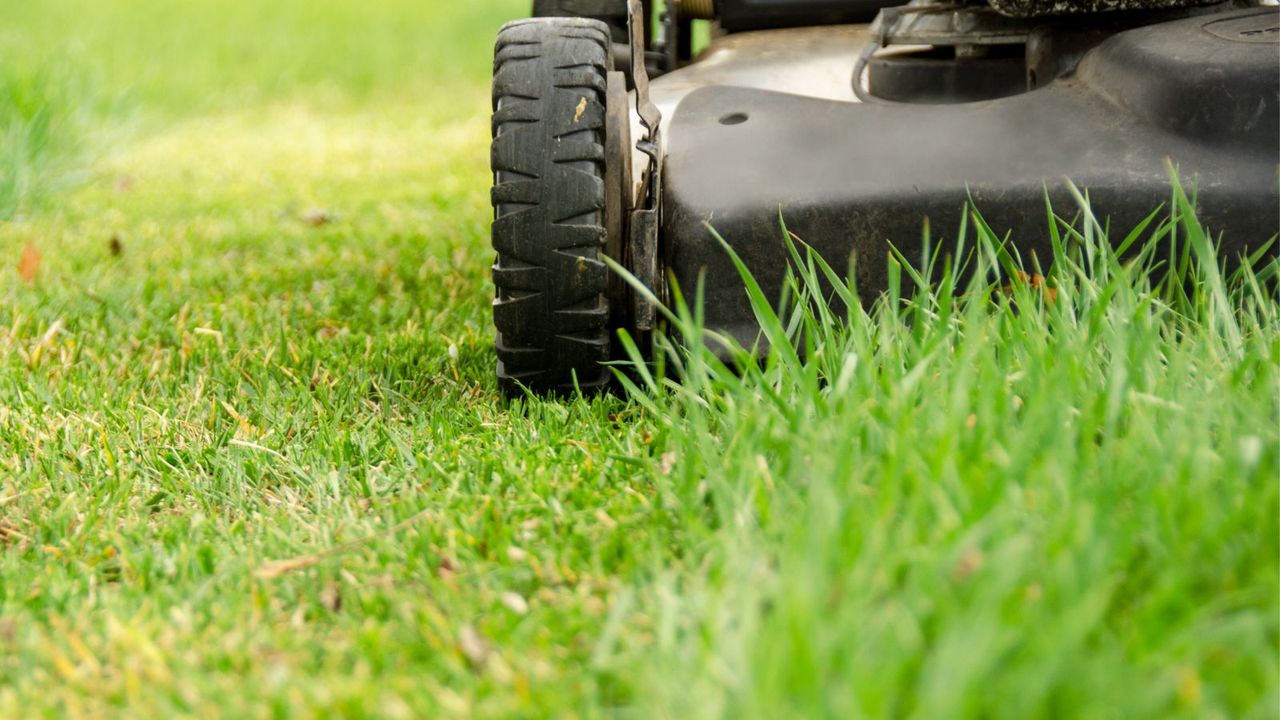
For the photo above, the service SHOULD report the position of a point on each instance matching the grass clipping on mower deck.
(1043, 8)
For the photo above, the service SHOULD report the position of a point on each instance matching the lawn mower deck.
(855, 134)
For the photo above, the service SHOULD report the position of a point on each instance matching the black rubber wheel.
(611, 12)
(551, 310)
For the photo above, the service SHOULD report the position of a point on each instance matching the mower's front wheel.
(551, 309)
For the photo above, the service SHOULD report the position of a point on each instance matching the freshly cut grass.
(252, 462)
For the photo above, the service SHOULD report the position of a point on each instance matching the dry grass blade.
(275, 568)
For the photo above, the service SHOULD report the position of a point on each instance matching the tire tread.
(547, 157)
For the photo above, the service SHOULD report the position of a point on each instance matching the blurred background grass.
(78, 77)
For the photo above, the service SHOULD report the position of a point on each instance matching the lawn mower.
(855, 121)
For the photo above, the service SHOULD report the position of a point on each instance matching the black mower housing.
(1200, 94)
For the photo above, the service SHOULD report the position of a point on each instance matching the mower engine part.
(742, 15)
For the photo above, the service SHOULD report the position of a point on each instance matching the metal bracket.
(643, 227)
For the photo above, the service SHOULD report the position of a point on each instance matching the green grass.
(252, 462)
(1035, 503)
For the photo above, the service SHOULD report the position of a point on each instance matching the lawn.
(253, 464)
